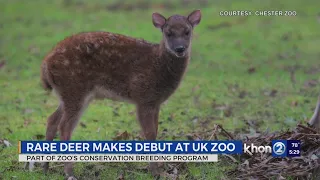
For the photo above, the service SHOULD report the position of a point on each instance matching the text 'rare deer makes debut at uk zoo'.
(98, 65)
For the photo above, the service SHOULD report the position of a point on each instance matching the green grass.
(218, 75)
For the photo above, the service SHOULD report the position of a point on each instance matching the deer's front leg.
(148, 116)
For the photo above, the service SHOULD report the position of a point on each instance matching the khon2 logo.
(279, 148)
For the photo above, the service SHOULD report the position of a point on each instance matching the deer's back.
(98, 61)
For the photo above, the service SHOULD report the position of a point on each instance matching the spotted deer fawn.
(98, 65)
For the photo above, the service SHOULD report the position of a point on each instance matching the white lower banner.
(118, 158)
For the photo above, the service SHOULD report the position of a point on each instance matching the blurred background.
(248, 73)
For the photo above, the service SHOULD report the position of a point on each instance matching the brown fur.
(96, 65)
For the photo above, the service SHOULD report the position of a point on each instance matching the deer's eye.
(187, 33)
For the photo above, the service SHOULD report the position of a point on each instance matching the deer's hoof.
(45, 167)
(29, 166)
(154, 169)
(71, 178)
(156, 173)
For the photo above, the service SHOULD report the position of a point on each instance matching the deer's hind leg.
(73, 107)
(52, 128)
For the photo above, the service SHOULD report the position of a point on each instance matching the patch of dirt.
(258, 166)
(310, 83)
(312, 70)
(265, 166)
(251, 70)
(122, 136)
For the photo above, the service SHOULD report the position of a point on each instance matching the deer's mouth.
(180, 54)
(177, 54)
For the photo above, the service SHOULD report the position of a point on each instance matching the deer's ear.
(195, 17)
(158, 20)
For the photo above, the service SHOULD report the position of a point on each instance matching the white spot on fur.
(88, 50)
(66, 62)
(61, 50)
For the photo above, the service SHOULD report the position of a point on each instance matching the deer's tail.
(44, 77)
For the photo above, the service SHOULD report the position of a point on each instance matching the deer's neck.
(170, 69)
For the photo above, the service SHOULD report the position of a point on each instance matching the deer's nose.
(179, 49)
